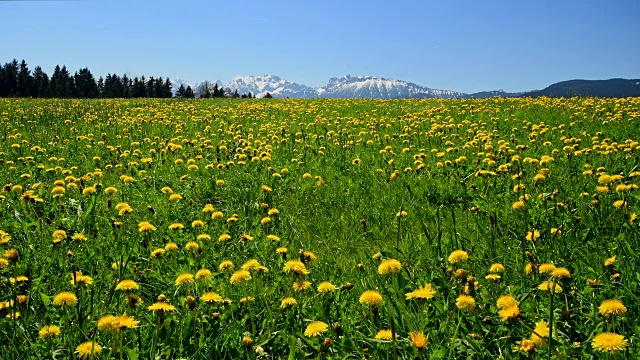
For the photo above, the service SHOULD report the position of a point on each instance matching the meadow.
(342, 229)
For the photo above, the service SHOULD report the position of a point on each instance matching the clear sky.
(455, 45)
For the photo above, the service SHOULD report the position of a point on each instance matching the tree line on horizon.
(17, 80)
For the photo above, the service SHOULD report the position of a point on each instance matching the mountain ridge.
(375, 87)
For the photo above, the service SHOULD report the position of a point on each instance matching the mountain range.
(373, 87)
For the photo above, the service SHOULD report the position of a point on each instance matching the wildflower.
(422, 293)
(247, 341)
(610, 261)
(316, 328)
(546, 268)
(89, 190)
(79, 237)
(161, 306)
(203, 274)
(273, 238)
(166, 190)
(208, 208)
(273, 212)
(176, 226)
(175, 197)
(505, 301)
(532, 235)
(309, 256)
(288, 303)
(12, 255)
(203, 237)
(541, 331)
(465, 302)
(211, 297)
(127, 285)
(192, 246)
(326, 287)
(80, 279)
(546, 286)
(496, 268)
(389, 267)
(65, 299)
(296, 267)
(561, 273)
(157, 253)
(265, 220)
(250, 265)
(458, 256)
(612, 307)
(301, 285)
(3, 263)
(224, 237)
(384, 335)
(171, 246)
(217, 215)
(226, 265)
(240, 277)
(509, 312)
(184, 278)
(619, 203)
(145, 226)
(58, 236)
(281, 250)
(88, 350)
(609, 342)
(197, 224)
(371, 298)
(418, 339)
(401, 214)
(49, 331)
(517, 205)
(525, 346)
(110, 190)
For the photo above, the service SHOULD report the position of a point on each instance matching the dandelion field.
(259, 229)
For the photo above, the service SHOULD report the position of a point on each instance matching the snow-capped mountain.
(274, 85)
(377, 87)
(369, 87)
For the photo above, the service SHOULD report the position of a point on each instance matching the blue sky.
(457, 45)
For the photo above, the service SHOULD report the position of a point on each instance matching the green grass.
(344, 213)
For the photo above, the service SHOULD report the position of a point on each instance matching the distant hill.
(599, 88)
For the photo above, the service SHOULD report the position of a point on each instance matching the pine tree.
(40, 83)
(24, 81)
(188, 93)
(180, 92)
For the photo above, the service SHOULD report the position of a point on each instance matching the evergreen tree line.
(17, 80)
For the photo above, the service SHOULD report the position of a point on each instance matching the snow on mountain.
(377, 87)
(345, 87)
(275, 85)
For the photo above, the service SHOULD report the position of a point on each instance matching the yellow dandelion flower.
(546, 268)
(250, 265)
(418, 339)
(88, 350)
(224, 237)
(422, 293)
(389, 267)
(240, 277)
(612, 307)
(302, 285)
(509, 312)
(273, 212)
(192, 246)
(171, 246)
(326, 287)
(496, 268)
(458, 256)
(532, 235)
(211, 297)
(49, 331)
(161, 306)
(273, 238)
(371, 298)
(226, 265)
(315, 329)
(197, 224)
(296, 267)
(184, 278)
(146, 226)
(203, 274)
(65, 299)
(546, 286)
(208, 208)
(465, 302)
(517, 205)
(175, 197)
(609, 342)
(505, 301)
(217, 215)
(561, 273)
(288, 303)
(58, 236)
(525, 346)
(610, 261)
(541, 331)
(384, 334)
(127, 285)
